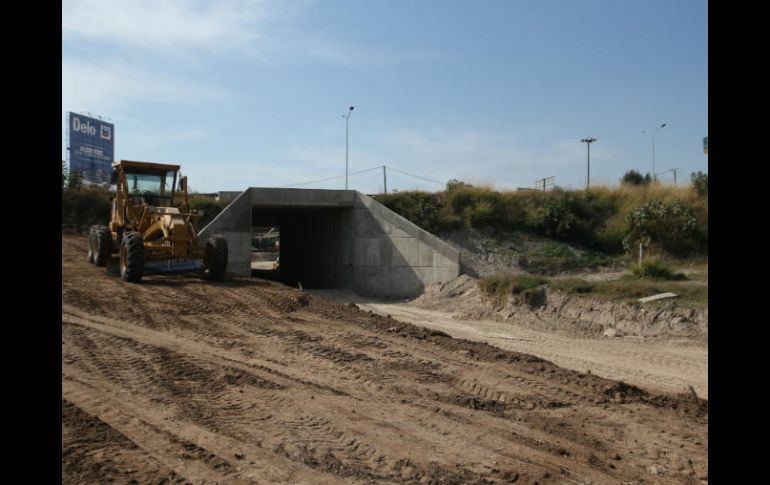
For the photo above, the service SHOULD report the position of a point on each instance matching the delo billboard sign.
(91, 148)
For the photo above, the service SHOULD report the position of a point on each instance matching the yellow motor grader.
(147, 232)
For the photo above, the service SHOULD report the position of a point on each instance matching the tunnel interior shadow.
(343, 247)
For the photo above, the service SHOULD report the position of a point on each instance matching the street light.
(588, 142)
(654, 181)
(347, 124)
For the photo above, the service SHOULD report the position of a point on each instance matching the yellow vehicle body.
(144, 214)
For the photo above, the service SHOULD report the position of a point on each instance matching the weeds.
(504, 284)
(630, 288)
(600, 219)
(655, 268)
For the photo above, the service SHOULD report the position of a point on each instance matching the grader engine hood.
(170, 233)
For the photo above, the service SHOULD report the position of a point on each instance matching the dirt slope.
(663, 366)
(180, 380)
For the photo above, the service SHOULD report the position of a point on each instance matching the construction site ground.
(182, 380)
(669, 365)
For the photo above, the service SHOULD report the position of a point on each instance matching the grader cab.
(147, 230)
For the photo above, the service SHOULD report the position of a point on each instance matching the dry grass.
(629, 289)
(504, 284)
(596, 219)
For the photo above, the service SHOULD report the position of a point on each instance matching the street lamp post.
(588, 142)
(654, 179)
(347, 125)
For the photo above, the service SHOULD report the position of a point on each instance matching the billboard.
(91, 147)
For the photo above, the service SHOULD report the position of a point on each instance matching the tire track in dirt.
(657, 366)
(89, 444)
(177, 369)
(262, 383)
(179, 445)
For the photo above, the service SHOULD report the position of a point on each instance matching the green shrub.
(500, 285)
(610, 220)
(455, 184)
(84, 207)
(654, 268)
(670, 227)
(210, 208)
(480, 214)
(461, 199)
(632, 177)
(630, 288)
(559, 218)
(700, 183)
(573, 285)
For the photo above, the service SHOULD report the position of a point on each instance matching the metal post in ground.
(347, 130)
(588, 142)
(384, 180)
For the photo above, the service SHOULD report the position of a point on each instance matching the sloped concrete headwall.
(339, 239)
(392, 256)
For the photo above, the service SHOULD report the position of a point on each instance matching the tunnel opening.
(265, 248)
(300, 245)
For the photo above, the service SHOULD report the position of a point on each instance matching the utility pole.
(674, 172)
(347, 129)
(654, 178)
(385, 179)
(588, 142)
(544, 182)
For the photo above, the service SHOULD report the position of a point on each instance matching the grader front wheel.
(132, 257)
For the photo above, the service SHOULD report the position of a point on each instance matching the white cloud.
(152, 140)
(164, 24)
(180, 30)
(467, 154)
(105, 87)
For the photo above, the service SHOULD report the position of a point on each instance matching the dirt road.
(661, 366)
(182, 380)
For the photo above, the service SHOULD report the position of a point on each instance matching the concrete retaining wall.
(393, 257)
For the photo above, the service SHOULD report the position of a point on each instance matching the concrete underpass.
(335, 239)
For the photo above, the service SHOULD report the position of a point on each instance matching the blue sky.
(251, 93)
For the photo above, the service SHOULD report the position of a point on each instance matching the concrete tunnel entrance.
(334, 239)
(310, 244)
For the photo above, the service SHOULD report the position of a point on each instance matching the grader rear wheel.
(102, 245)
(216, 258)
(91, 245)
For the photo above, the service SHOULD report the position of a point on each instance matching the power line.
(331, 178)
(360, 172)
(312, 182)
(416, 176)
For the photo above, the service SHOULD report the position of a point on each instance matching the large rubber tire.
(103, 245)
(216, 258)
(132, 257)
(91, 244)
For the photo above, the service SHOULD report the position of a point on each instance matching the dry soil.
(180, 380)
